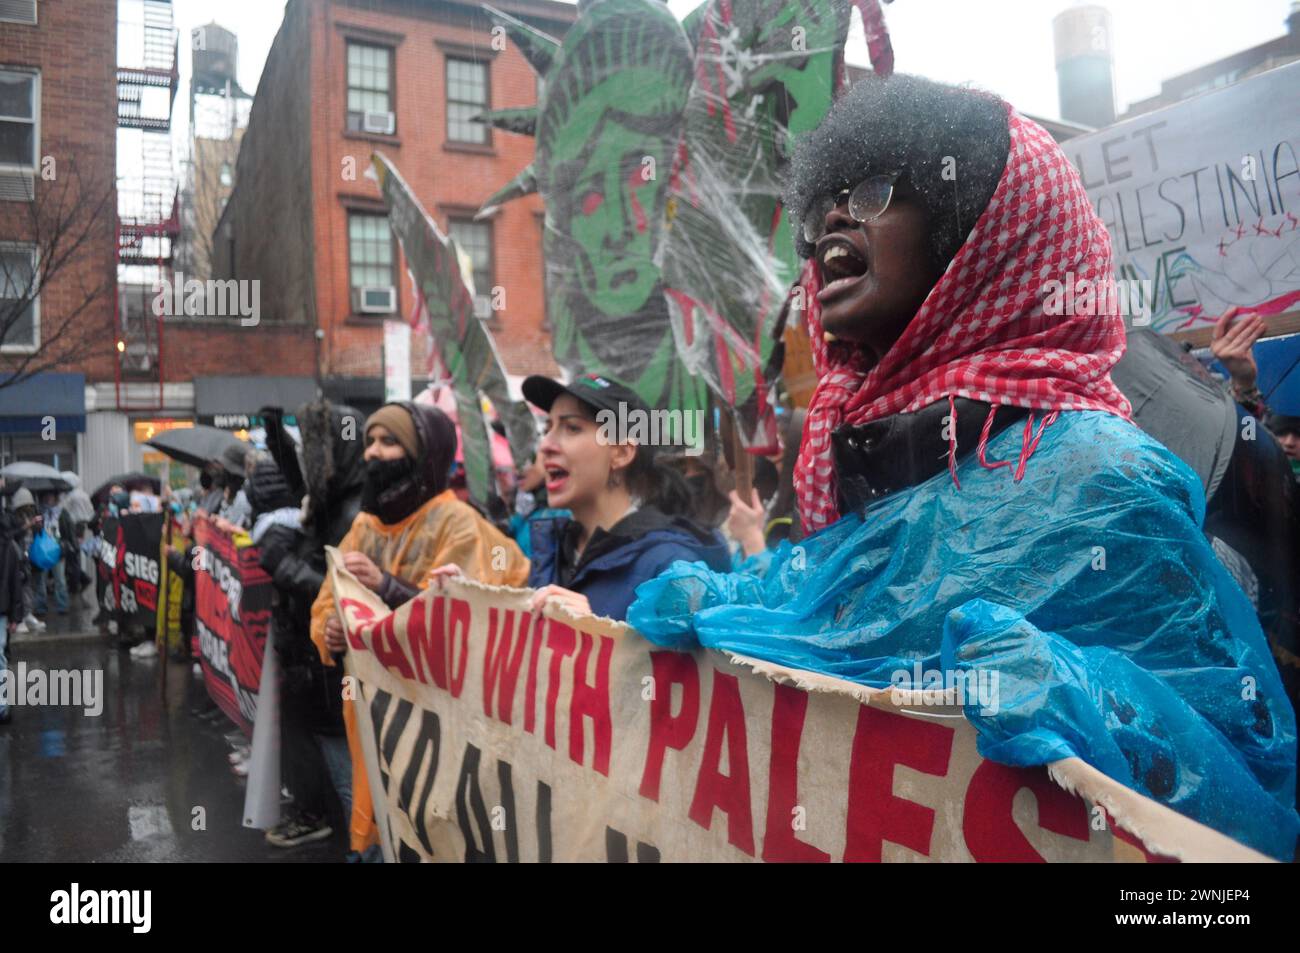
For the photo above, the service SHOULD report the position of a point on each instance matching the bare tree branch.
(66, 227)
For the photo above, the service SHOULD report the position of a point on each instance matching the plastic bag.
(1116, 602)
(44, 552)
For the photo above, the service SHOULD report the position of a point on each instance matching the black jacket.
(332, 478)
(12, 577)
(875, 459)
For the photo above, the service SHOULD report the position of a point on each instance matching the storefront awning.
(30, 405)
(232, 402)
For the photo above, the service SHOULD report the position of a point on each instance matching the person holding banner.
(331, 472)
(980, 502)
(626, 525)
(410, 523)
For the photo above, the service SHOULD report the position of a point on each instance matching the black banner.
(128, 568)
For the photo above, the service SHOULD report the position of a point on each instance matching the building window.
(371, 260)
(20, 308)
(227, 175)
(475, 238)
(467, 95)
(370, 89)
(19, 110)
(18, 11)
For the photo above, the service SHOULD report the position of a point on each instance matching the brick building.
(342, 80)
(58, 119)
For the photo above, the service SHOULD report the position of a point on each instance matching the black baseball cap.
(1282, 423)
(595, 390)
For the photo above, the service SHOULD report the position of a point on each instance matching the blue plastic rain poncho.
(1117, 635)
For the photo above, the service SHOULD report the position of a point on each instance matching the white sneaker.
(34, 624)
(145, 650)
(198, 669)
(21, 628)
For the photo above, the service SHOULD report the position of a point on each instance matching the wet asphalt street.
(123, 786)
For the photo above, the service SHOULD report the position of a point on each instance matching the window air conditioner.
(377, 122)
(378, 300)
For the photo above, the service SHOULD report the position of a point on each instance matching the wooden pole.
(742, 464)
(164, 604)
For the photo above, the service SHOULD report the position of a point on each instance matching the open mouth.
(555, 478)
(624, 277)
(841, 262)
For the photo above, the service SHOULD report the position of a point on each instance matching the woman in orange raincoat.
(409, 523)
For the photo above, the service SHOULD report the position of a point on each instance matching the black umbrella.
(197, 446)
(127, 481)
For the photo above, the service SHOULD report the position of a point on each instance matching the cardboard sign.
(491, 734)
(232, 612)
(1202, 200)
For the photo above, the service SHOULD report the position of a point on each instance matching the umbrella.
(128, 481)
(198, 446)
(37, 477)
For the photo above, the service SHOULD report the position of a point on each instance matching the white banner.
(491, 734)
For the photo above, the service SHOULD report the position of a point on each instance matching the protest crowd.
(941, 499)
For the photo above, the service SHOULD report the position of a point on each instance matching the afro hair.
(909, 125)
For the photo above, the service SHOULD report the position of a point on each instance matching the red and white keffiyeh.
(982, 332)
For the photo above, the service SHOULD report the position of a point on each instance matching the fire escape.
(148, 221)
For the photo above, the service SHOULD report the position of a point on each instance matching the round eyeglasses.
(867, 200)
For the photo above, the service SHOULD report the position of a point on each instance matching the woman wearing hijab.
(409, 523)
(980, 502)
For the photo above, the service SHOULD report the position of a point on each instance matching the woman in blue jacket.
(626, 525)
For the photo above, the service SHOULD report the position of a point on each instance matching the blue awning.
(28, 406)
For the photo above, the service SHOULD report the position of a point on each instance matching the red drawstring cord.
(1029, 442)
(984, 442)
(1028, 446)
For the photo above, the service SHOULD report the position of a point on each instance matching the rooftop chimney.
(1085, 75)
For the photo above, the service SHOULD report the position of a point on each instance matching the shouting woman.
(627, 524)
(982, 503)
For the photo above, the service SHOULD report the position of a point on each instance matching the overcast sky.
(1001, 45)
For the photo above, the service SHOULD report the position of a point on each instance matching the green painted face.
(611, 223)
(606, 170)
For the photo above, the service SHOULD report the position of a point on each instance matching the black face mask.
(391, 490)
